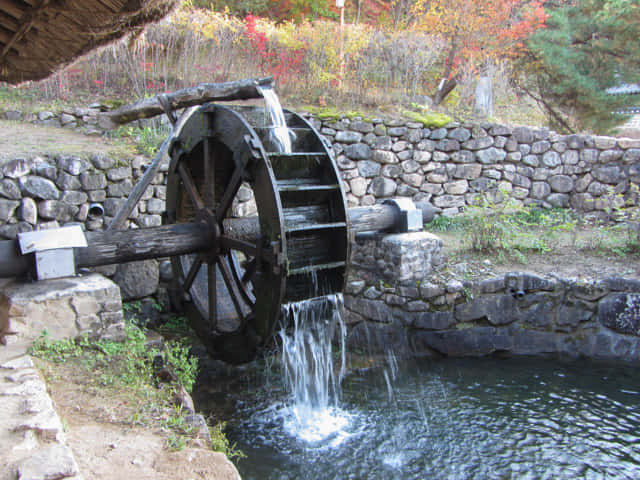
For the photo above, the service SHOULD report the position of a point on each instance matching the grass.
(511, 233)
(125, 372)
(429, 119)
(146, 140)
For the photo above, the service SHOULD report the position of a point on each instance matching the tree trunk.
(448, 82)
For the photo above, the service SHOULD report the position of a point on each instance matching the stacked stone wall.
(462, 164)
(434, 314)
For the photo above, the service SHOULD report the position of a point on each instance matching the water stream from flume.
(309, 373)
(280, 132)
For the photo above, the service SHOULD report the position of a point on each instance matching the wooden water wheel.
(235, 288)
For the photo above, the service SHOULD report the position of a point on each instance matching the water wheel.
(234, 289)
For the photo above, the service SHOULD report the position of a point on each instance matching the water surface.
(452, 419)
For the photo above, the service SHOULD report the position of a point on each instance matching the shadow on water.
(454, 418)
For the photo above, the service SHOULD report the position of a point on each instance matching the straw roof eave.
(38, 37)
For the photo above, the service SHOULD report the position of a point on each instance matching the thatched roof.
(37, 37)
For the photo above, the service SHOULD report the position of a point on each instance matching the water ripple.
(453, 420)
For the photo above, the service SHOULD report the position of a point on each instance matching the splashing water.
(309, 372)
(281, 134)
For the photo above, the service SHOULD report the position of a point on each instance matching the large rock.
(434, 320)
(51, 463)
(10, 189)
(73, 165)
(382, 187)
(39, 187)
(56, 210)
(137, 279)
(621, 312)
(384, 156)
(491, 155)
(561, 183)
(609, 174)
(368, 168)
(7, 209)
(16, 168)
(496, 309)
(346, 136)
(358, 151)
(93, 180)
(466, 342)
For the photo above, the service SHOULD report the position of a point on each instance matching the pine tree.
(587, 47)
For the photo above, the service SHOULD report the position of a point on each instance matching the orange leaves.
(479, 30)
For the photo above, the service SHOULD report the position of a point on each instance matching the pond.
(468, 418)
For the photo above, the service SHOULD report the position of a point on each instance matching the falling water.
(309, 372)
(281, 134)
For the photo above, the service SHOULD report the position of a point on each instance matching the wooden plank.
(13, 8)
(9, 23)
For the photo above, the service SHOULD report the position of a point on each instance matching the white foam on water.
(309, 372)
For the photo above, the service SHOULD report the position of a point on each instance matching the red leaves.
(281, 62)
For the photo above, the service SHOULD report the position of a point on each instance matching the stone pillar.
(64, 308)
(401, 258)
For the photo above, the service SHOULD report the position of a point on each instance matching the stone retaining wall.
(518, 313)
(456, 165)
(459, 164)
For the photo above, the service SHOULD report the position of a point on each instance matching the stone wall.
(457, 165)
(433, 314)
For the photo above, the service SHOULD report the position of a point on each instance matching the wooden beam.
(13, 8)
(188, 97)
(8, 22)
(26, 22)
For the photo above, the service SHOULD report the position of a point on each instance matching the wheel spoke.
(209, 173)
(226, 275)
(212, 293)
(228, 243)
(193, 271)
(241, 281)
(190, 187)
(229, 194)
(250, 270)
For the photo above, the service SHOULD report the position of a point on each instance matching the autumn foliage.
(476, 32)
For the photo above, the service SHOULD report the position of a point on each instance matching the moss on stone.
(429, 119)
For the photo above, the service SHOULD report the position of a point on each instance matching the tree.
(280, 10)
(476, 31)
(587, 47)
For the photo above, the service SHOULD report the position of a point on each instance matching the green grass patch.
(125, 373)
(147, 140)
(428, 119)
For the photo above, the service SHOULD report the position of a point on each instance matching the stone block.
(410, 254)
(26, 309)
(137, 279)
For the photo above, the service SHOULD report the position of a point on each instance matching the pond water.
(450, 419)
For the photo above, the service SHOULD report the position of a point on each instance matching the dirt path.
(24, 139)
(108, 444)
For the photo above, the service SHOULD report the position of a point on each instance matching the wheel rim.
(237, 287)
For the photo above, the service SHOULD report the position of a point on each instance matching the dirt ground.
(107, 444)
(18, 139)
(562, 261)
